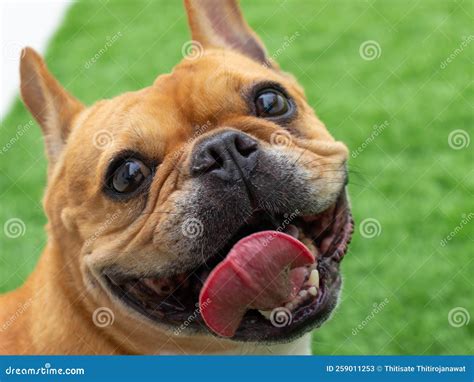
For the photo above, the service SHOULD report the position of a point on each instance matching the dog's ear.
(49, 103)
(219, 24)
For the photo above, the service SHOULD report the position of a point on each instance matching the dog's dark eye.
(271, 103)
(129, 176)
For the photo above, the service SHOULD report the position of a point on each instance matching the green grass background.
(409, 179)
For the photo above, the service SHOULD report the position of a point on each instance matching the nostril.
(218, 160)
(245, 147)
(207, 161)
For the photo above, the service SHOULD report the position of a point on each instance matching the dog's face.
(150, 190)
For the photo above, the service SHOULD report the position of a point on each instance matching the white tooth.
(303, 293)
(266, 313)
(314, 277)
(313, 291)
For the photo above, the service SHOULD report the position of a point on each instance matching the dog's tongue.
(262, 271)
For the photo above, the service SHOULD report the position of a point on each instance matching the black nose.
(229, 155)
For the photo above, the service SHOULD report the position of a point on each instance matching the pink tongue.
(262, 271)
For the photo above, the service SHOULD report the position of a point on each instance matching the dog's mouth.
(275, 279)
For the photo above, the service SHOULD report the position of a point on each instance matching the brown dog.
(148, 193)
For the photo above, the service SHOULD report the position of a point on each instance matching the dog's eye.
(271, 103)
(129, 176)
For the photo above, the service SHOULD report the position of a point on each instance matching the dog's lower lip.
(172, 301)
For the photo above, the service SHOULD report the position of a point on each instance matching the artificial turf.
(407, 177)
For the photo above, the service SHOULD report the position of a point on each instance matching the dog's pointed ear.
(220, 24)
(49, 103)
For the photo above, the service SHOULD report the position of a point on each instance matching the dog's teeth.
(313, 291)
(314, 278)
(289, 306)
(303, 293)
(266, 313)
(313, 266)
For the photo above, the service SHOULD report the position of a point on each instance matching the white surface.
(23, 23)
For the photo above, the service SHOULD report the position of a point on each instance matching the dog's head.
(149, 192)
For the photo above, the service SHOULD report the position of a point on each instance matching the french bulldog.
(205, 214)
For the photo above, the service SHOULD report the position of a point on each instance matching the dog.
(205, 214)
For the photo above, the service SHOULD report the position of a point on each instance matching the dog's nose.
(229, 155)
